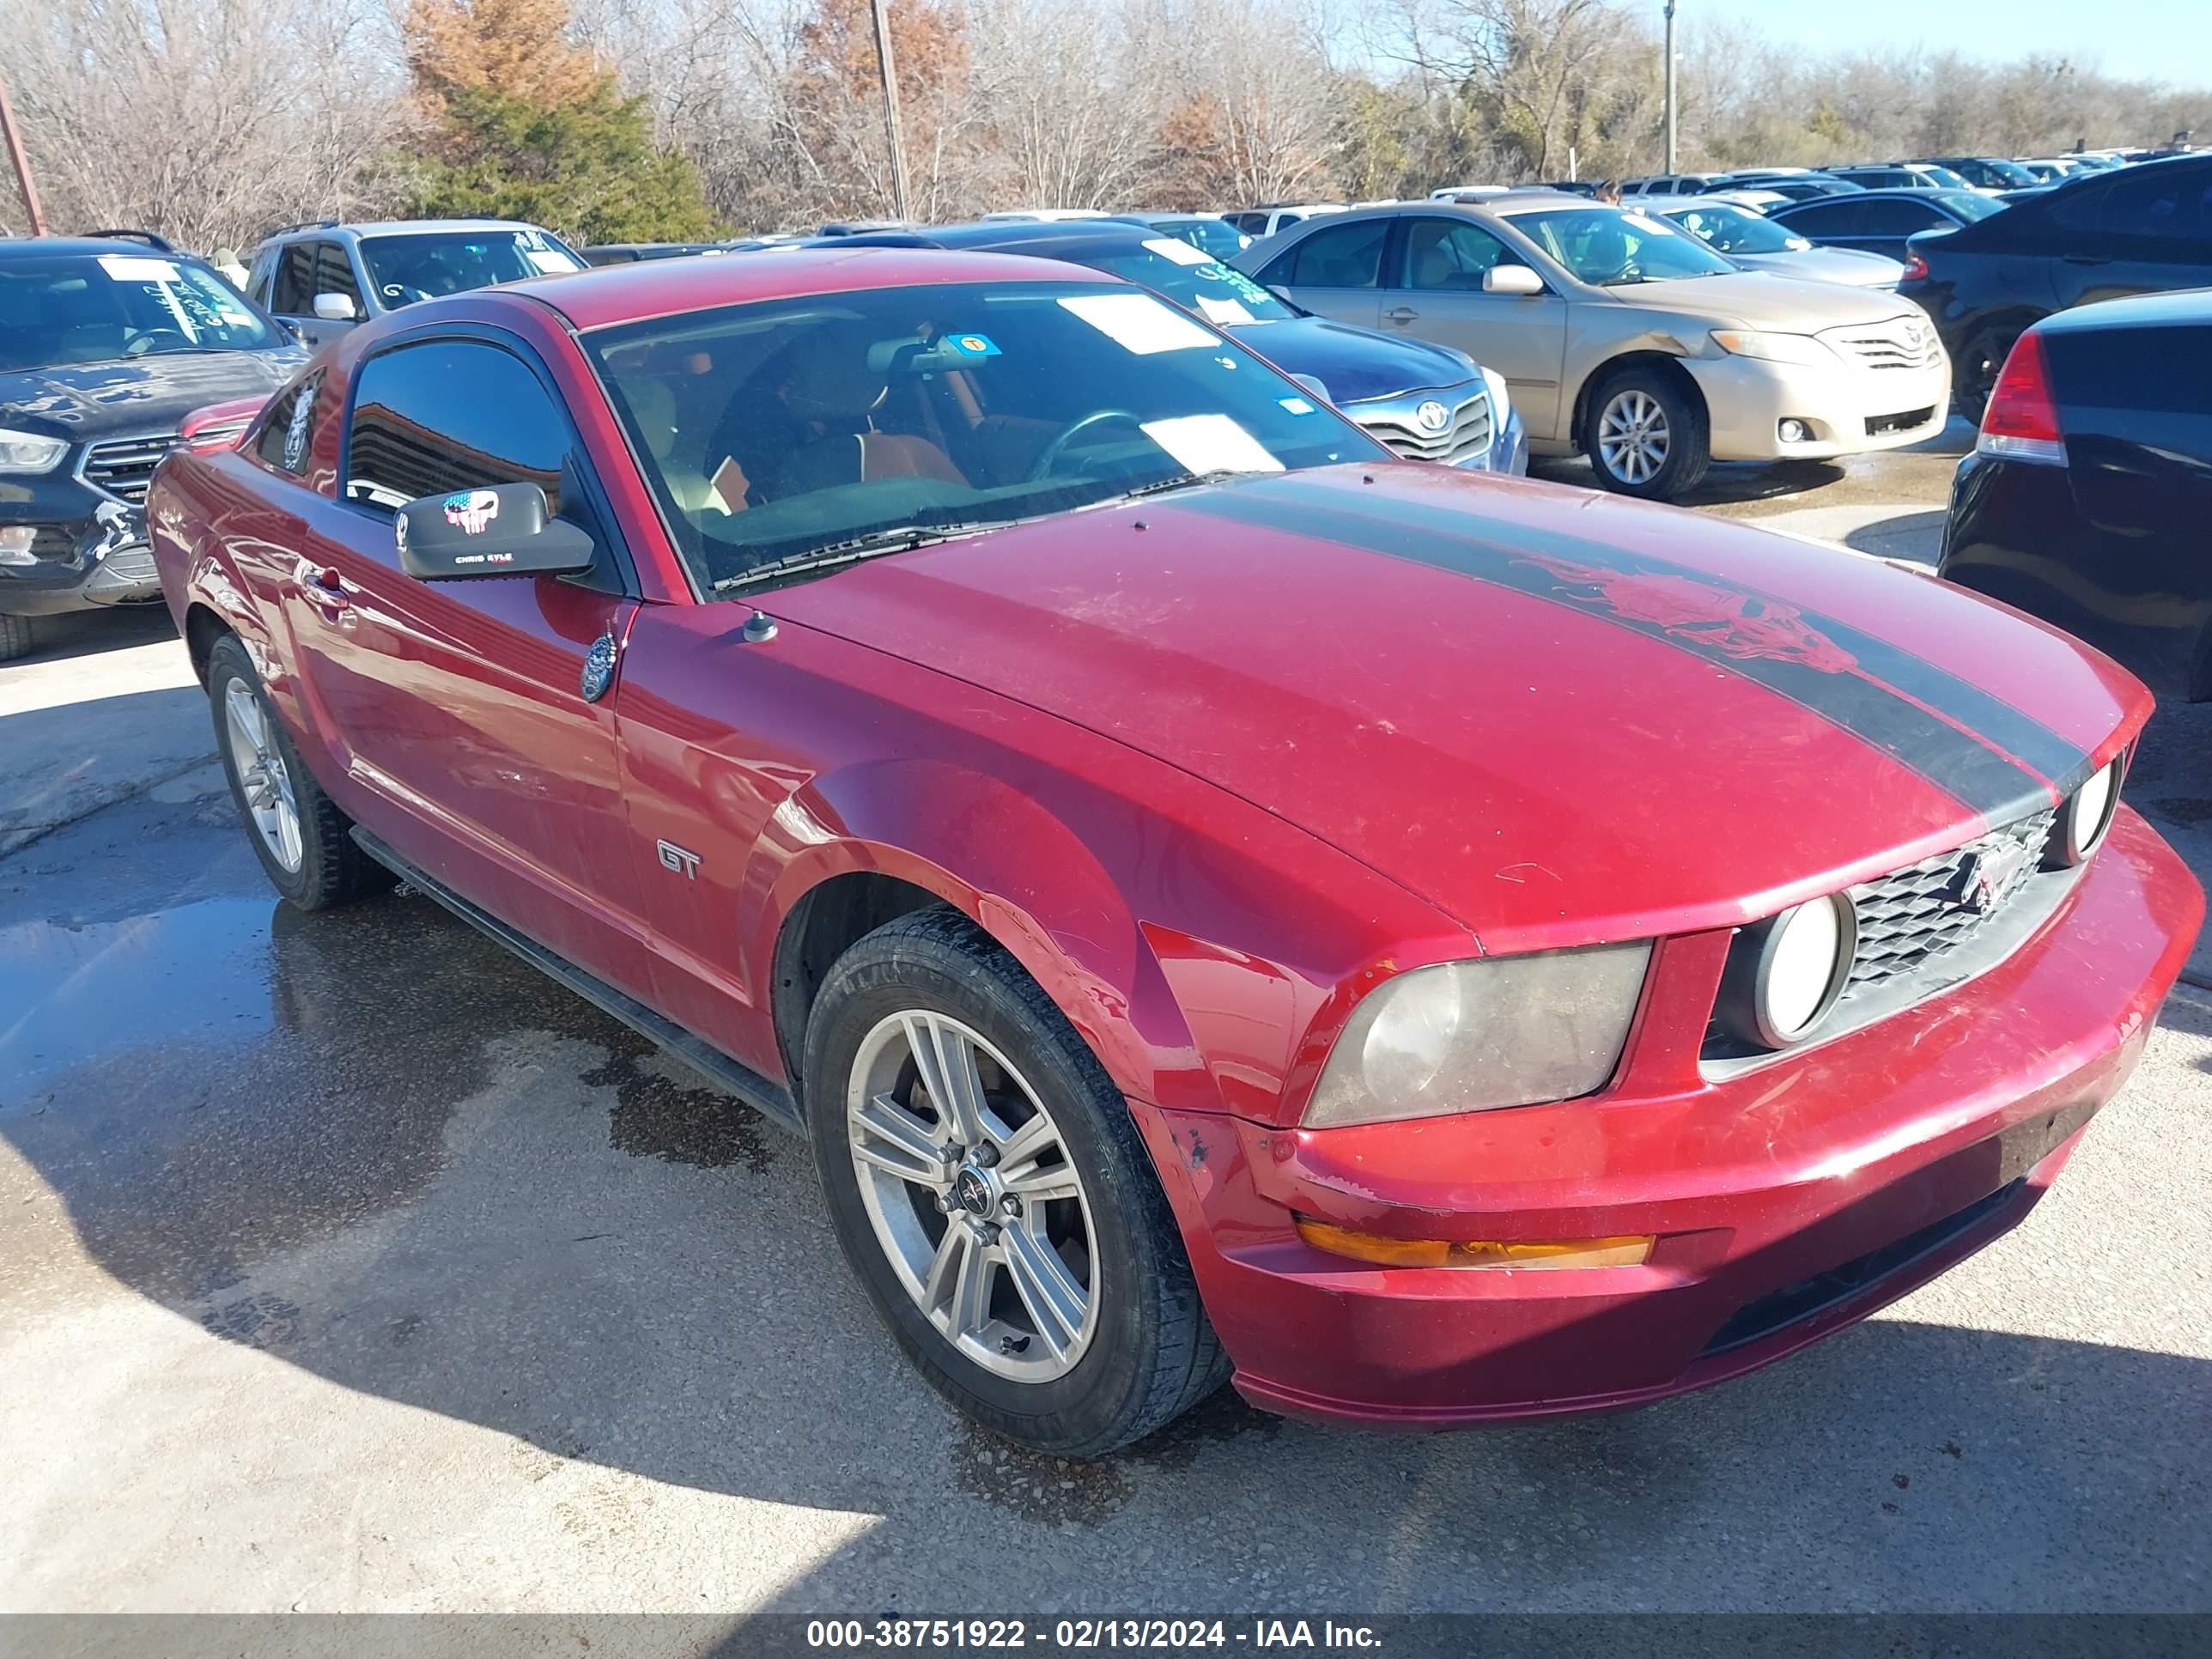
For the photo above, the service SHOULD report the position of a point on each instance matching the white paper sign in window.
(1137, 323)
(1170, 248)
(134, 268)
(1211, 443)
(551, 261)
(1221, 312)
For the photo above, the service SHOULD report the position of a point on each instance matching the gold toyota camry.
(1624, 337)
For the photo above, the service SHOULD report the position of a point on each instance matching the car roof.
(608, 294)
(399, 228)
(1886, 193)
(2178, 307)
(33, 246)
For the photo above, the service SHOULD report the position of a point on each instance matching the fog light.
(16, 545)
(1622, 1250)
(1796, 432)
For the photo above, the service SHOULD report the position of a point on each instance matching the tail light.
(220, 425)
(2021, 421)
(1916, 269)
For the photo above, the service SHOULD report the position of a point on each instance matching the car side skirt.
(771, 1100)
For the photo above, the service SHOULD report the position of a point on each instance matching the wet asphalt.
(346, 1262)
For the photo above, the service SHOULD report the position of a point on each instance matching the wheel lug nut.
(987, 1155)
(987, 1232)
(1009, 1204)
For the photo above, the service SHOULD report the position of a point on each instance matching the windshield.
(423, 265)
(1971, 205)
(780, 431)
(1610, 247)
(2010, 174)
(1734, 231)
(1181, 272)
(98, 308)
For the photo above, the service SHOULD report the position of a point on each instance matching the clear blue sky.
(2168, 40)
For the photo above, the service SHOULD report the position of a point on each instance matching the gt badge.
(682, 860)
(599, 668)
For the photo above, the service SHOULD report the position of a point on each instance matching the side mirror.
(336, 307)
(504, 531)
(1315, 385)
(1511, 279)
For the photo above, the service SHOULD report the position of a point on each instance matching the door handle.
(323, 588)
(1401, 314)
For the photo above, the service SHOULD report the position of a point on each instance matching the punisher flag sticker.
(472, 510)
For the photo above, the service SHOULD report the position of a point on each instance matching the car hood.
(1354, 363)
(1558, 715)
(1759, 299)
(1828, 264)
(82, 401)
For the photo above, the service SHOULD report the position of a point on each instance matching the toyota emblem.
(1432, 417)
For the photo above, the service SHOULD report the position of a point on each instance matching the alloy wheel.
(1633, 438)
(973, 1199)
(264, 783)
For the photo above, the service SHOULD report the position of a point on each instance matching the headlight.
(1800, 349)
(1466, 1036)
(27, 452)
(1501, 401)
(1785, 975)
(2083, 821)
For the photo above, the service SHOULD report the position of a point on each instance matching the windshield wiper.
(903, 540)
(1181, 480)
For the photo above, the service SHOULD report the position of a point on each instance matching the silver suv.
(322, 278)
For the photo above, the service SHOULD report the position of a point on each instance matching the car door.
(1336, 271)
(1435, 294)
(455, 712)
(1830, 221)
(2139, 232)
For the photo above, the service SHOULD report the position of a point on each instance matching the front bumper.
(1748, 400)
(89, 551)
(1789, 1201)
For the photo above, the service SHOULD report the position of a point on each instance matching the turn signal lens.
(1916, 269)
(2021, 421)
(1622, 1250)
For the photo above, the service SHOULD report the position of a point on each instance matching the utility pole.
(1670, 86)
(891, 106)
(32, 210)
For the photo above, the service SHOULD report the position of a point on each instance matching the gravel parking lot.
(347, 1263)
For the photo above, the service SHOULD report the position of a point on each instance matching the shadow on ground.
(89, 633)
(370, 1146)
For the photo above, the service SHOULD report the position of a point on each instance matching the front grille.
(134, 565)
(1465, 434)
(1900, 342)
(124, 467)
(1876, 425)
(1909, 917)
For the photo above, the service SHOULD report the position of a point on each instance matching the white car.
(1259, 223)
(1757, 243)
(1042, 216)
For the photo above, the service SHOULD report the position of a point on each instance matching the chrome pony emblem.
(599, 667)
(1987, 875)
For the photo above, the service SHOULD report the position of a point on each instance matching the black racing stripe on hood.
(1976, 748)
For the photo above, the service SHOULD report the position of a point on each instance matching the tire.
(1646, 404)
(1974, 372)
(317, 865)
(1142, 1351)
(17, 637)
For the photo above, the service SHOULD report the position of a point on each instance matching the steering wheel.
(140, 341)
(1050, 460)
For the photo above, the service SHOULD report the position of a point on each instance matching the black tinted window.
(1340, 256)
(295, 291)
(334, 272)
(451, 414)
(1890, 216)
(1822, 218)
(2163, 204)
(289, 433)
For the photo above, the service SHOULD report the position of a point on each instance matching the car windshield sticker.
(295, 431)
(473, 510)
(1237, 283)
(135, 268)
(1183, 253)
(1296, 405)
(1137, 323)
(1221, 312)
(1211, 443)
(972, 345)
(551, 261)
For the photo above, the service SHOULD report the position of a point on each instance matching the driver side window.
(334, 274)
(449, 415)
(1446, 254)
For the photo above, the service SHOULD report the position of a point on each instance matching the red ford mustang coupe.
(1215, 896)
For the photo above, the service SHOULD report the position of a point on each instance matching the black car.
(1797, 186)
(1881, 220)
(1987, 172)
(2141, 229)
(105, 346)
(1425, 401)
(2086, 498)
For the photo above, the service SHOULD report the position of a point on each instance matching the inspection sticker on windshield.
(1296, 405)
(1170, 247)
(972, 345)
(135, 268)
(1221, 312)
(1137, 323)
(1210, 443)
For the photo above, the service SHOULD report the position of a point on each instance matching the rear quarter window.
(288, 432)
